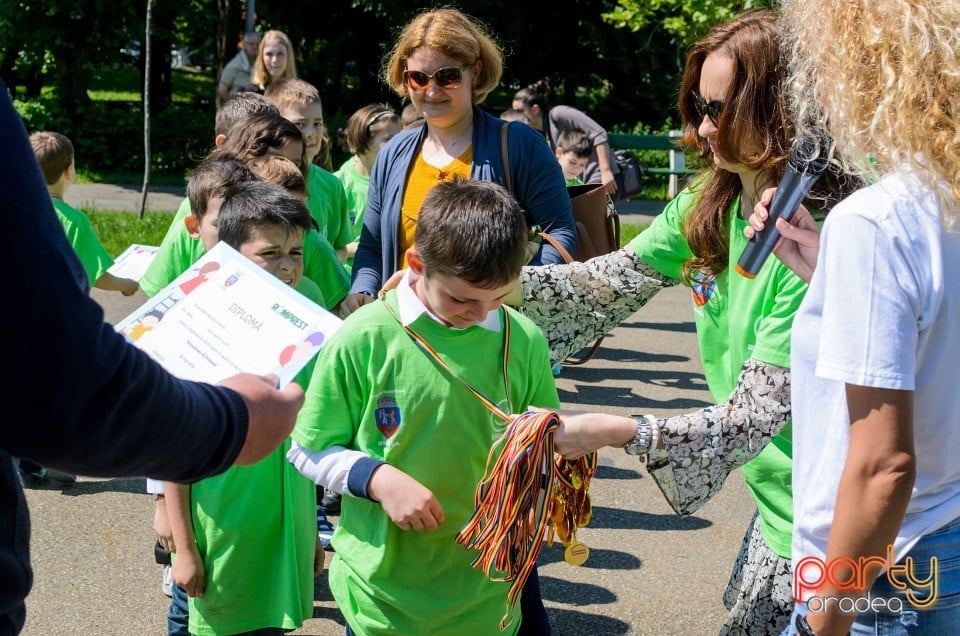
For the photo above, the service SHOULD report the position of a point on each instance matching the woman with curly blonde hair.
(875, 403)
(275, 60)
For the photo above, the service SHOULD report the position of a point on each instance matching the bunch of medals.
(570, 508)
(528, 481)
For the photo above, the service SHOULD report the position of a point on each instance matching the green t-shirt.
(374, 390)
(737, 319)
(355, 185)
(574, 182)
(328, 205)
(91, 252)
(178, 251)
(256, 532)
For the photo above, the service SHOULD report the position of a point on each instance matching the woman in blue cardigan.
(446, 64)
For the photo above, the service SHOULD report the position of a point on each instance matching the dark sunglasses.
(710, 109)
(446, 77)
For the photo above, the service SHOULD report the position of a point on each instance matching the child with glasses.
(383, 421)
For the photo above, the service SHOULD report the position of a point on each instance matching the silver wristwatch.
(640, 443)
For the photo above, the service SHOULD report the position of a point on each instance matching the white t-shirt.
(882, 310)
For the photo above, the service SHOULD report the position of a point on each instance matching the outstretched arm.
(576, 303)
(696, 451)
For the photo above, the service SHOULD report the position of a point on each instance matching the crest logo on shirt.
(387, 416)
(703, 286)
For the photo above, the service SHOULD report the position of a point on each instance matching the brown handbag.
(596, 220)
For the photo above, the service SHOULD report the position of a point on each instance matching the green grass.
(118, 230)
(629, 230)
(122, 84)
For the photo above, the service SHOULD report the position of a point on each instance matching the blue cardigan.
(535, 177)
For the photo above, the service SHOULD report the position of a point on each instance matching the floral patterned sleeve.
(701, 448)
(576, 303)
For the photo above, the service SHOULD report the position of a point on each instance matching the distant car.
(181, 57)
(131, 52)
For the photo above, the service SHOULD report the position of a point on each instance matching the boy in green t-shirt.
(299, 102)
(55, 156)
(573, 150)
(401, 435)
(247, 549)
(322, 265)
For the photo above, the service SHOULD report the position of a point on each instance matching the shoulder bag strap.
(505, 156)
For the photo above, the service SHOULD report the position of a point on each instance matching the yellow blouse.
(422, 178)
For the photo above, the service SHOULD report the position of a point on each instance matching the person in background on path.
(602, 167)
(299, 102)
(573, 151)
(875, 343)
(382, 421)
(735, 114)
(368, 129)
(109, 394)
(236, 74)
(246, 549)
(275, 61)
(447, 64)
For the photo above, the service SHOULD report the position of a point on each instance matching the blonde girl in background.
(275, 60)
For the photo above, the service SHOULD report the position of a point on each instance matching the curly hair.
(883, 79)
(454, 34)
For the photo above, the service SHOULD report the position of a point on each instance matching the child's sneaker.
(167, 585)
(324, 528)
(331, 503)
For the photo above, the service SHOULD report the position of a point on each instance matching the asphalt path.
(649, 571)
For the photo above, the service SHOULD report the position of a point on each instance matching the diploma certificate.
(224, 316)
(133, 261)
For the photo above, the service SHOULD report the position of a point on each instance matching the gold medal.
(576, 553)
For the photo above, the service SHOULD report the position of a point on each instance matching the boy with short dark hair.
(247, 548)
(573, 151)
(401, 435)
(299, 101)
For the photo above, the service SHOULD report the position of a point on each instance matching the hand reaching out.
(799, 241)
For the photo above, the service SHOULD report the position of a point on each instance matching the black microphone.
(808, 159)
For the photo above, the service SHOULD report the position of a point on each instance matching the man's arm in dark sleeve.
(92, 403)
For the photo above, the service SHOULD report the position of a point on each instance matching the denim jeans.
(177, 616)
(899, 617)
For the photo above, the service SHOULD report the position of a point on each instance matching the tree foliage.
(619, 60)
